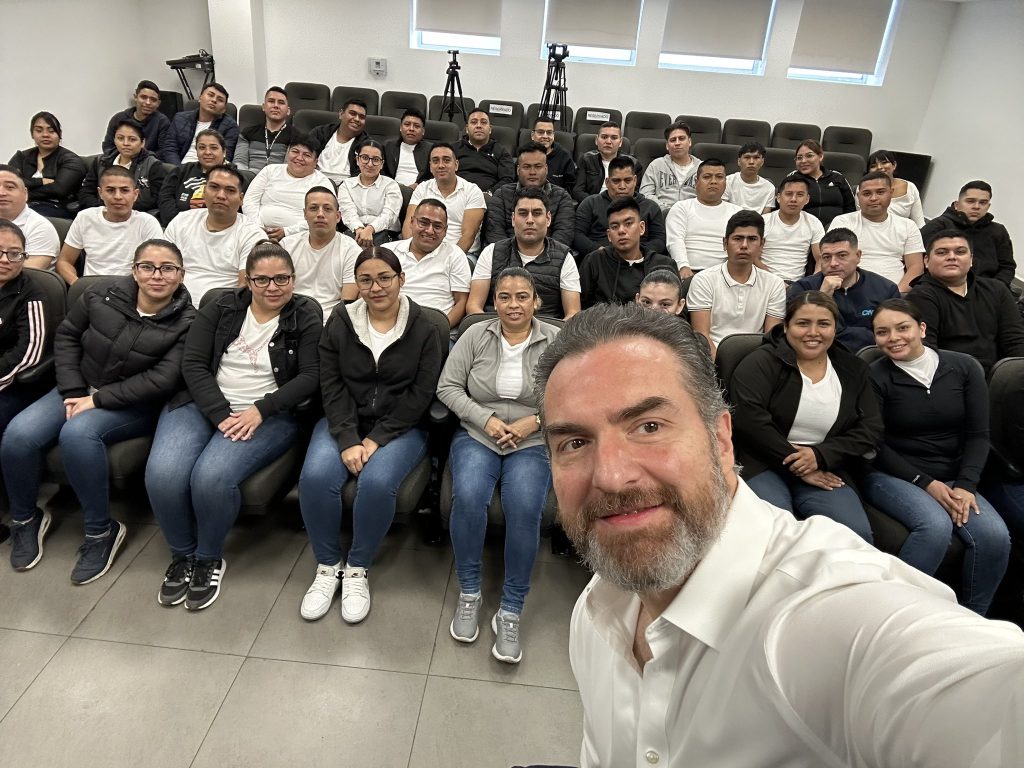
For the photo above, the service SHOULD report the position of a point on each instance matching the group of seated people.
(320, 324)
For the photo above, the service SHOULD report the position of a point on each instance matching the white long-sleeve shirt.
(375, 206)
(797, 644)
(275, 198)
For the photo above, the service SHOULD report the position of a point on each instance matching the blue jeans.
(985, 538)
(1008, 499)
(803, 500)
(323, 477)
(194, 472)
(83, 443)
(525, 478)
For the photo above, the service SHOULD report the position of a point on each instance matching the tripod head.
(557, 52)
(453, 65)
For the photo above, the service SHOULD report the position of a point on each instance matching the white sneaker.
(317, 601)
(355, 595)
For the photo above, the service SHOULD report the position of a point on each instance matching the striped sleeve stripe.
(36, 341)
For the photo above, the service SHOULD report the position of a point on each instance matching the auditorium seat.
(504, 134)
(778, 164)
(434, 109)
(589, 119)
(566, 125)
(646, 125)
(394, 103)
(703, 130)
(736, 131)
(504, 112)
(646, 150)
(306, 120)
(724, 152)
(792, 135)
(441, 130)
(851, 166)
(382, 127)
(843, 138)
(250, 116)
(308, 96)
(343, 92)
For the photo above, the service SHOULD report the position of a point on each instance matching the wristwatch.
(537, 417)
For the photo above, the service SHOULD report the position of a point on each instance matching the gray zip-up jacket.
(661, 184)
(468, 384)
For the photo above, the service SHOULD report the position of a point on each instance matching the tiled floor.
(101, 675)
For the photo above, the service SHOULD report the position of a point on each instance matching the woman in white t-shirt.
(906, 199)
(370, 202)
(805, 415)
(250, 362)
(488, 383)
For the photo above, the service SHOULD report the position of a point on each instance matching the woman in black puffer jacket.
(118, 360)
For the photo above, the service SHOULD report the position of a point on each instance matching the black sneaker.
(27, 540)
(176, 580)
(205, 584)
(97, 554)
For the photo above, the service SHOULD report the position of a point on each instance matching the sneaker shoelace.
(92, 547)
(179, 571)
(202, 573)
(510, 629)
(325, 583)
(357, 584)
(467, 608)
(21, 533)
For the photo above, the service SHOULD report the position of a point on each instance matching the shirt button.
(291, 351)
(275, 370)
(271, 344)
(652, 757)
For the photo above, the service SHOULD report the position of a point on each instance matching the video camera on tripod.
(450, 105)
(552, 100)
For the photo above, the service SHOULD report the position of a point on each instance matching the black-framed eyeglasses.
(365, 282)
(148, 269)
(15, 257)
(262, 281)
(437, 226)
(370, 159)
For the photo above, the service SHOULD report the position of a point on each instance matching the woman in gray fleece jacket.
(488, 383)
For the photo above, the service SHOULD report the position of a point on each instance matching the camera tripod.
(450, 105)
(552, 100)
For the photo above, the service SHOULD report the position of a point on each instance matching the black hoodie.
(605, 277)
(990, 242)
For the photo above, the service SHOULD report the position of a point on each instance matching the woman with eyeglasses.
(117, 357)
(830, 191)
(129, 152)
(250, 362)
(52, 173)
(380, 358)
(185, 186)
(370, 201)
(488, 383)
(276, 198)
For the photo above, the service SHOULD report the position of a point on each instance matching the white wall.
(86, 60)
(328, 41)
(976, 110)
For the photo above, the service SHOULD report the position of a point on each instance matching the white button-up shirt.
(430, 281)
(376, 205)
(798, 645)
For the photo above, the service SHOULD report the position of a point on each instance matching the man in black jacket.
(613, 273)
(561, 166)
(338, 141)
(155, 124)
(481, 159)
(532, 170)
(405, 156)
(595, 164)
(962, 312)
(592, 214)
(213, 104)
(990, 242)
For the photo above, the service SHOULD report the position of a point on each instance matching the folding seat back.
(792, 135)
(343, 93)
(394, 103)
(308, 96)
(434, 111)
(504, 112)
(702, 129)
(589, 119)
(736, 131)
(646, 125)
(844, 138)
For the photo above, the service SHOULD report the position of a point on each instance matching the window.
(603, 33)
(438, 25)
(866, 41)
(712, 36)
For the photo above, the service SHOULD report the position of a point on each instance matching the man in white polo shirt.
(108, 234)
(694, 228)
(215, 241)
(436, 272)
(891, 246)
(463, 199)
(737, 297)
(790, 233)
(324, 259)
(41, 240)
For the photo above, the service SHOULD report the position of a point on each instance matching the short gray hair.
(604, 323)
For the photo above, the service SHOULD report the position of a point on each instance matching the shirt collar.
(715, 594)
(730, 281)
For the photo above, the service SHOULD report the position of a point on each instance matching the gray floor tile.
(283, 713)
(22, 656)
(544, 630)
(111, 704)
(260, 553)
(407, 587)
(44, 599)
(473, 724)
